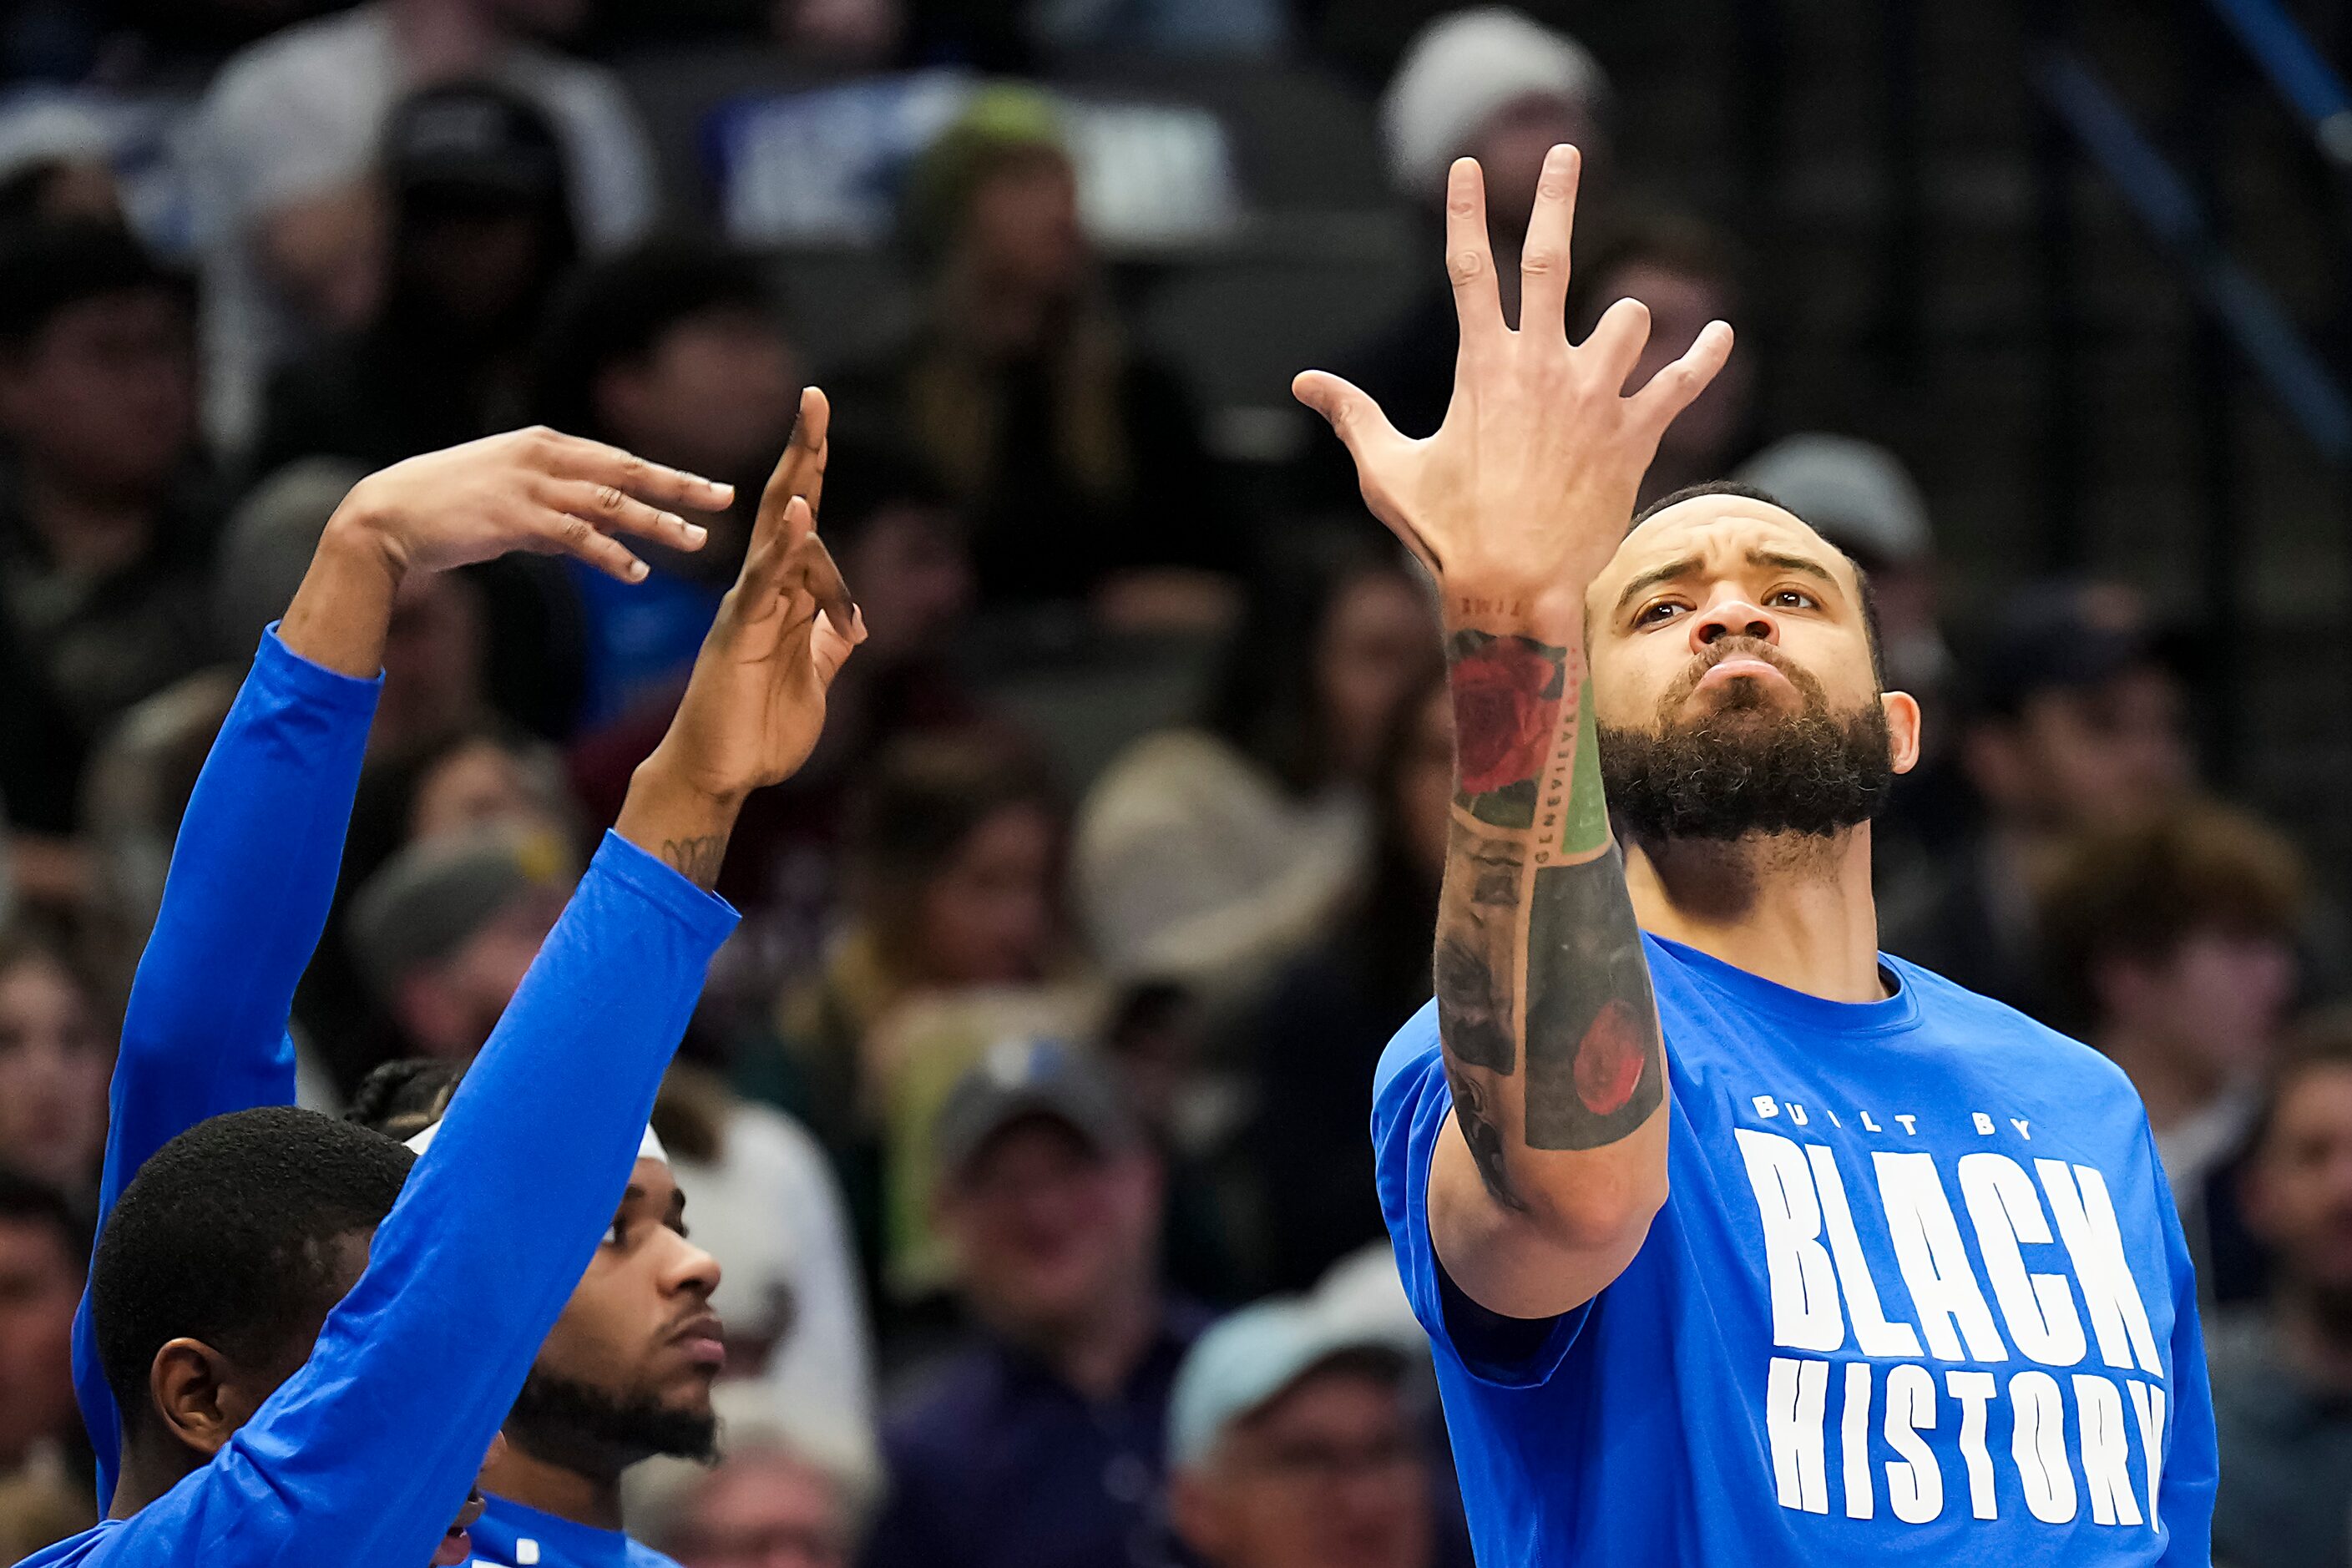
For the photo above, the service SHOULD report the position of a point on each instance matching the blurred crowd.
(1027, 1114)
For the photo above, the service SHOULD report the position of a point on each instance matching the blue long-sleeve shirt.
(363, 1456)
(252, 879)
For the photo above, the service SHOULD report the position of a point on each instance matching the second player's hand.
(755, 703)
(1525, 488)
(534, 489)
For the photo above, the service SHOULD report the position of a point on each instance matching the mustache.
(1808, 685)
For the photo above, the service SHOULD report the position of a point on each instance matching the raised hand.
(755, 703)
(1527, 487)
(528, 490)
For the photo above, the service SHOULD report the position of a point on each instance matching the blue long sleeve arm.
(253, 875)
(364, 1456)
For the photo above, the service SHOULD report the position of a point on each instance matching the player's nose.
(1731, 615)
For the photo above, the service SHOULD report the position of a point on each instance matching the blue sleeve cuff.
(290, 671)
(705, 915)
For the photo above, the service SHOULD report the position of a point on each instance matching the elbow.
(1599, 1206)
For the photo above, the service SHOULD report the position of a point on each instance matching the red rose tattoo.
(1506, 696)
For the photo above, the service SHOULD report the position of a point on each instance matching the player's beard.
(569, 1415)
(1744, 768)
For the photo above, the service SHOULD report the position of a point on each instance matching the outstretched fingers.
(1470, 259)
(1675, 388)
(1543, 258)
(1617, 340)
(574, 457)
(610, 510)
(1376, 446)
(800, 472)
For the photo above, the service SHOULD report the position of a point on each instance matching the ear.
(192, 1387)
(1902, 711)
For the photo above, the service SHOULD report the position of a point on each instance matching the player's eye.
(614, 1233)
(1795, 599)
(1664, 610)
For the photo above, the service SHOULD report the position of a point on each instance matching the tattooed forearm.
(1538, 958)
(1485, 1139)
(1478, 949)
(697, 859)
(1595, 1070)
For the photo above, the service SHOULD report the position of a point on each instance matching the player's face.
(639, 1328)
(1724, 607)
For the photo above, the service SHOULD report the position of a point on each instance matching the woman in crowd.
(955, 863)
(55, 1057)
(1207, 854)
(1310, 1049)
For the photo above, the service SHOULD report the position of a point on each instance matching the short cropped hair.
(1866, 592)
(401, 1098)
(227, 1235)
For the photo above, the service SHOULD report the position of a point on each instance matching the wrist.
(684, 824)
(1552, 610)
(359, 535)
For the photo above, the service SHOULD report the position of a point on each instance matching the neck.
(149, 1470)
(2173, 1084)
(86, 533)
(566, 1477)
(1096, 1355)
(2315, 1329)
(1795, 909)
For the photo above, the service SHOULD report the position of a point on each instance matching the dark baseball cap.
(428, 900)
(472, 139)
(1017, 1079)
(2067, 635)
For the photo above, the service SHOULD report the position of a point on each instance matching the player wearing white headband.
(624, 1374)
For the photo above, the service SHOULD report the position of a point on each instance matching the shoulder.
(1412, 1055)
(1999, 1034)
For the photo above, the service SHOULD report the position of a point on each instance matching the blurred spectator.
(955, 860)
(46, 1475)
(480, 231)
(1230, 29)
(445, 931)
(781, 1496)
(1490, 84)
(287, 141)
(2283, 1377)
(56, 165)
(1687, 273)
(901, 547)
(1862, 499)
(1292, 1445)
(1042, 1441)
(762, 1202)
(2077, 724)
(1209, 853)
(1079, 464)
(2171, 948)
(673, 352)
(56, 1058)
(1310, 1049)
(104, 522)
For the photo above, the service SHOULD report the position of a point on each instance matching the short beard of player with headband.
(561, 1419)
(1744, 768)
